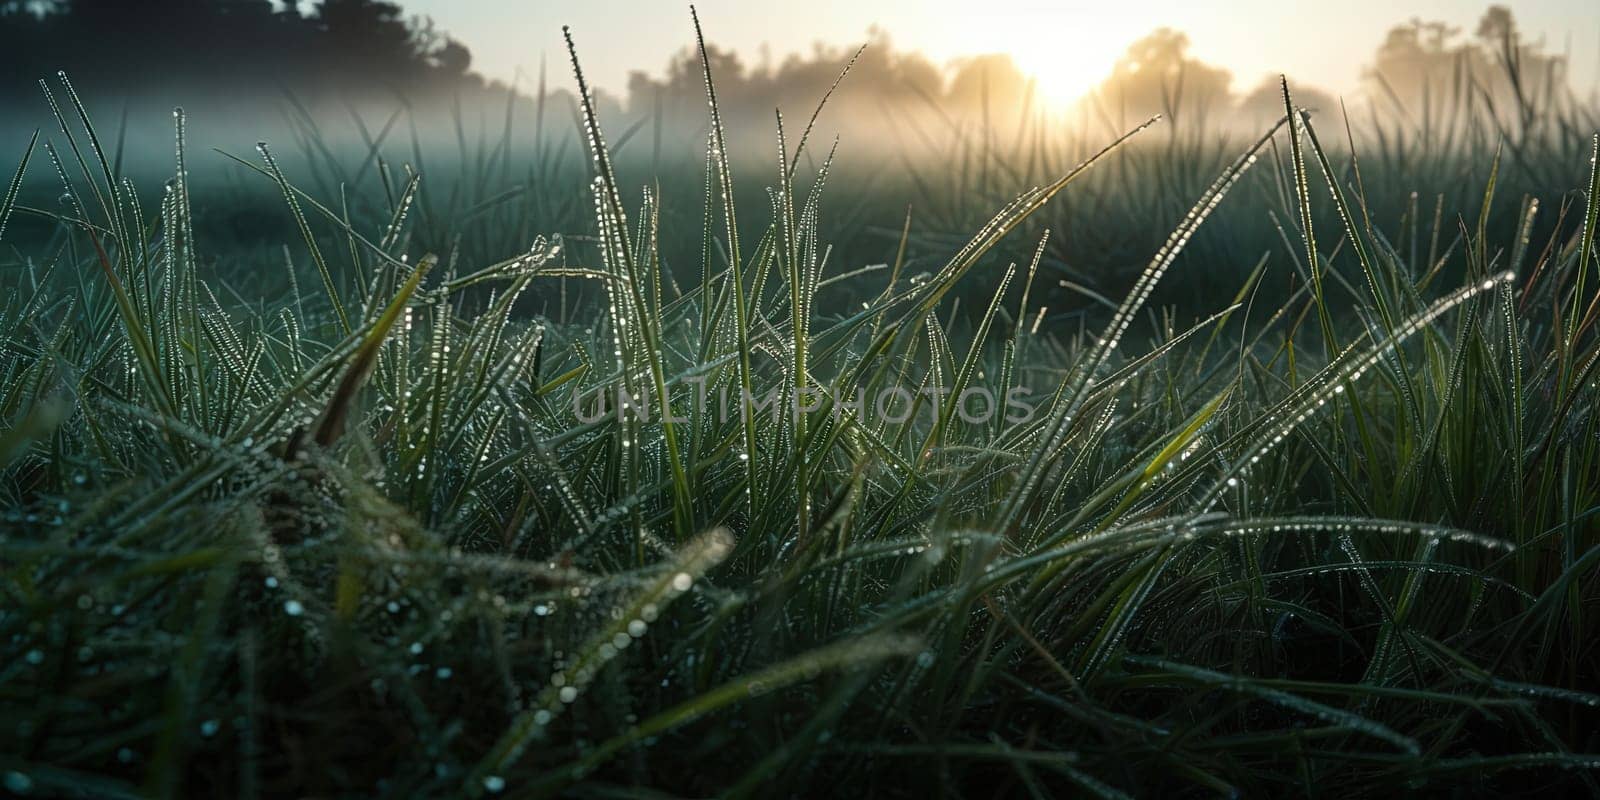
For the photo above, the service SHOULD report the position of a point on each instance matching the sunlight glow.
(1064, 75)
(1067, 47)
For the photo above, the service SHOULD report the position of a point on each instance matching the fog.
(355, 98)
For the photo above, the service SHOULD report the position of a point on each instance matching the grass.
(1335, 536)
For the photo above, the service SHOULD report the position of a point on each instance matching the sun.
(1067, 47)
(1063, 72)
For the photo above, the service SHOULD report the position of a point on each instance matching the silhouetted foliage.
(202, 48)
(1156, 75)
(197, 51)
(990, 84)
(1429, 66)
(883, 82)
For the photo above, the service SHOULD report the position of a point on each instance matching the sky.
(1067, 45)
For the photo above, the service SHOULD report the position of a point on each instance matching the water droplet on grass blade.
(18, 783)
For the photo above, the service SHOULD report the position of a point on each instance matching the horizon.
(949, 31)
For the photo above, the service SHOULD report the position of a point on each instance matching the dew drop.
(18, 783)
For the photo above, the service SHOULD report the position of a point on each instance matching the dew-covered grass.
(1336, 536)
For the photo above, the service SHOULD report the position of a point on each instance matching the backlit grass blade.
(9, 201)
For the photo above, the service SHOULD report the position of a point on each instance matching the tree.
(452, 58)
(987, 84)
(227, 48)
(1428, 65)
(1157, 76)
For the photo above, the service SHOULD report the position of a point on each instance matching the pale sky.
(1068, 45)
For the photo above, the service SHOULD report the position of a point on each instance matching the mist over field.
(348, 73)
(352, 94)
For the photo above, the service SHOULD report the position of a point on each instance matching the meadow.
(1306, 501)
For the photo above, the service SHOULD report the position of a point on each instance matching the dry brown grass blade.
(330, 423)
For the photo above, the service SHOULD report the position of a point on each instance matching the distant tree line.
(222, 51)
(1419, 63)
(235, 46)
